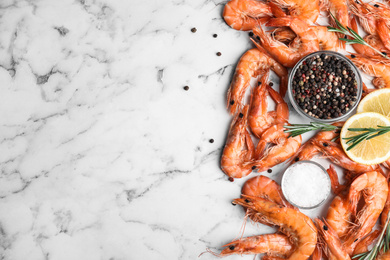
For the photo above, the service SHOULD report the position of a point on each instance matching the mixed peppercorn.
(324, 87)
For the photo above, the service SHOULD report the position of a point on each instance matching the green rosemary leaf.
(332, 29)
(359, 255)
(363, 129)
(355, 34)
(354, 137)
(349, 41)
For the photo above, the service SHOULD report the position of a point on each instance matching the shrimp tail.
(317, 254)
(334, 180)
(276, 10)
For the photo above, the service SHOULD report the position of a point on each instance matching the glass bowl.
(307, 188)
(357, 77)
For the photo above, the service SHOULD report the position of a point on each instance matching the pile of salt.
(305, 184)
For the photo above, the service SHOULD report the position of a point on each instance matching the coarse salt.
(305, 184)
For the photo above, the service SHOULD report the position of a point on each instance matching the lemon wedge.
(377, 101)
(373, 151)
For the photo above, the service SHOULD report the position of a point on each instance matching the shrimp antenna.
(208, 250)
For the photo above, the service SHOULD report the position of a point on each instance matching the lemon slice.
(373, 151)
(377, 101)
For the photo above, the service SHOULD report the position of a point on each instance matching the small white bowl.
(311, 190)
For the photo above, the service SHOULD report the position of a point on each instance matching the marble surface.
(103, 154)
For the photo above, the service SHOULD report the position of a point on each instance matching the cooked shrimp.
(363, 245)
(266, 188)
(308, 150)
(339, 216)
(374, 187)
(284, 148)
(296, 225)
(245, 14)
(373, 40)
(289, 56)
(377, 67)
(271, 244)
(263, 187)
(336, 154)
(365, 14)
(383, 32)
(333, 247)
(307, 11)
(259, 119)
(239, 148)
(339, 9)
(375, 19)
(251, 64)
(368, 10)
(327, 40)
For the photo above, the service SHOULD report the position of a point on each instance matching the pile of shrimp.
(363, 199)
(347, 229)
(295, 36)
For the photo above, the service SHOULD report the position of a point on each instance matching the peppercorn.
(193, 30)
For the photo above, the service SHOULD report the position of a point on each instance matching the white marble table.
(103, 154)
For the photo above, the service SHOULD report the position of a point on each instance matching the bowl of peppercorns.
(325, 86)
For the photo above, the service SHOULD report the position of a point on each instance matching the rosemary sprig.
(367, 133)
(298, 129)
(356, 38)
(381, 245)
